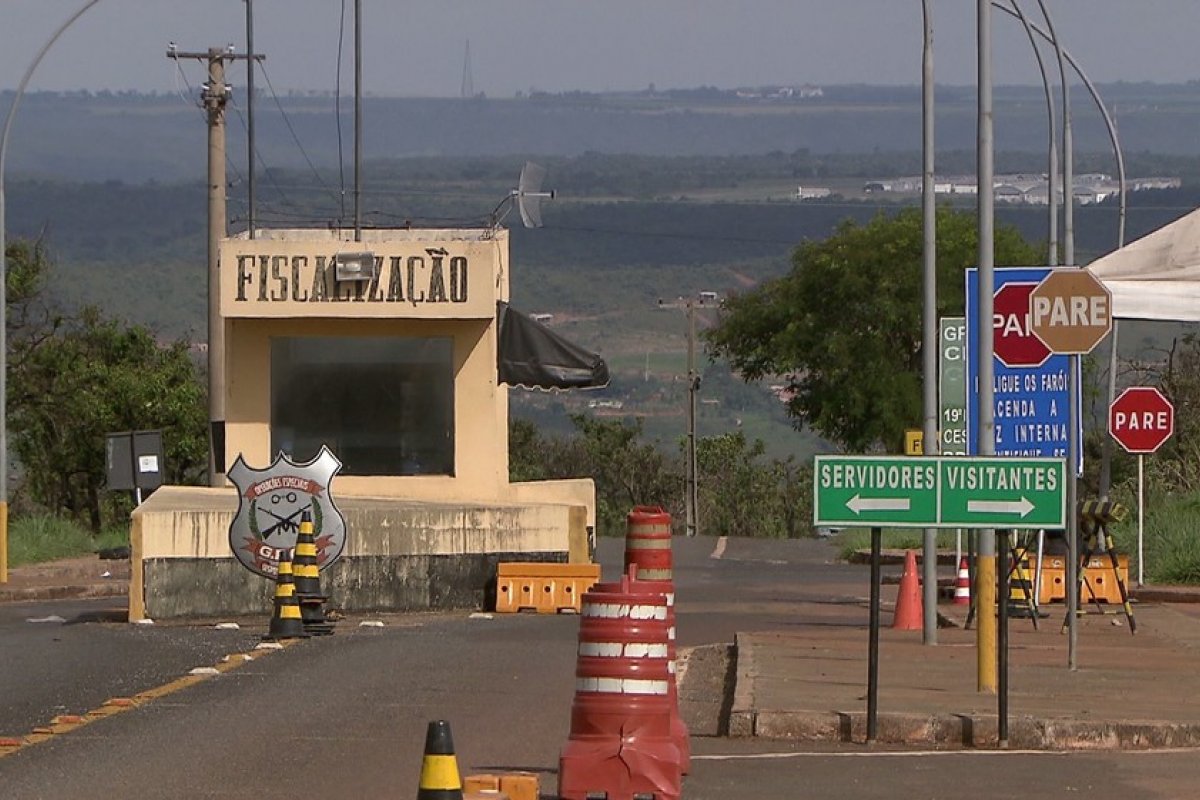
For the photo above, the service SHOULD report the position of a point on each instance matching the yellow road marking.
(65, 723)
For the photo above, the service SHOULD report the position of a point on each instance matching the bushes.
(1170, 542)
(740, 492)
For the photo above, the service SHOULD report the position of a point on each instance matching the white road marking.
(719, 550)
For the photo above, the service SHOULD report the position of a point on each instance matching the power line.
(258, 156)
(200, 107)
(287, 121)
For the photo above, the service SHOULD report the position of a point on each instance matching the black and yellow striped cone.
(308, 580)
(286, 622)
(439, 769)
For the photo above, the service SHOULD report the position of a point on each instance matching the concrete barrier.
(400, 555)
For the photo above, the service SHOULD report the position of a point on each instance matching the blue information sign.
(1032, 409)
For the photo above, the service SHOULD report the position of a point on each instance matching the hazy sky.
(416, 47)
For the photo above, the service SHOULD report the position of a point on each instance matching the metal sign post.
(873, 646)
(1005, 550)
(937, 492)
(1141, 419)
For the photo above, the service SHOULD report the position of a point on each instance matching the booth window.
(384, 406)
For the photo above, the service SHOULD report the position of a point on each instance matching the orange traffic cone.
(910, 614)
(962, 584)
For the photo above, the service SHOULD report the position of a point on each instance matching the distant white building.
(812, 192)
(1025, 188)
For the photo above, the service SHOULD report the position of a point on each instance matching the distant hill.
(136, 137)
(661, 195)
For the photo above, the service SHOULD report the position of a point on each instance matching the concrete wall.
(400, 554)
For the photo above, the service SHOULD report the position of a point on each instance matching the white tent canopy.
(1156, 277)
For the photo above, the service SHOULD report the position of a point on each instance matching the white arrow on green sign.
(939, 492)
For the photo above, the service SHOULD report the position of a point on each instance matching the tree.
(93, 377)
(843, 327)
(1176, 468)
(526, 451)
(738, 494)
(628, 470)
(75, 378)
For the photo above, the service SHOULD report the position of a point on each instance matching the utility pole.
(692, 507)
(214, 96)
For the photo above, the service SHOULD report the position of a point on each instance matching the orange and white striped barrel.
(648, 543)
(621, 742)
(679, 731)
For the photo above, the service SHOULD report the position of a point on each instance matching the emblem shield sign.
(271, 503)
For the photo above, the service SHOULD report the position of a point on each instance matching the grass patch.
(851, 540)
(33, 540)
(1171, 547)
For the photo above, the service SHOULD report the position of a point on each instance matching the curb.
(1165, 594)
(939, 730)
(966, 730)
(27, 594)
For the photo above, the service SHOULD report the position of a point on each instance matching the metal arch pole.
(1122, 188)
(1067, 146)
(8, 121)
(1108, 122)
(1073, 442)
(1052, 150)
(929, 337)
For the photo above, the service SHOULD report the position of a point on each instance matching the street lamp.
(1052, 151)
(1106, 458)
(8, 121)
(1108, 122)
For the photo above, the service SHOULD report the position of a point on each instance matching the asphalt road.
(345, 716)
(52, 667)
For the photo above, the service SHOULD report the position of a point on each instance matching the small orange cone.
(962, 584)
(910, 614)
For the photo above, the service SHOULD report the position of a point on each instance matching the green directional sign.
(939, 492)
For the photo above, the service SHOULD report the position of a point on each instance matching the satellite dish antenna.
(527, 197)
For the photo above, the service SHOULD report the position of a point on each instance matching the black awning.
(531, 355)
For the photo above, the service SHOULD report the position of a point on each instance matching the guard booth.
(386, 350)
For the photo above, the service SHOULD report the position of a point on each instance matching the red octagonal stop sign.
(1013, 340)
(1141, 419)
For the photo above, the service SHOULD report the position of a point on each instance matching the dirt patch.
(87, 576)
(706, 682)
